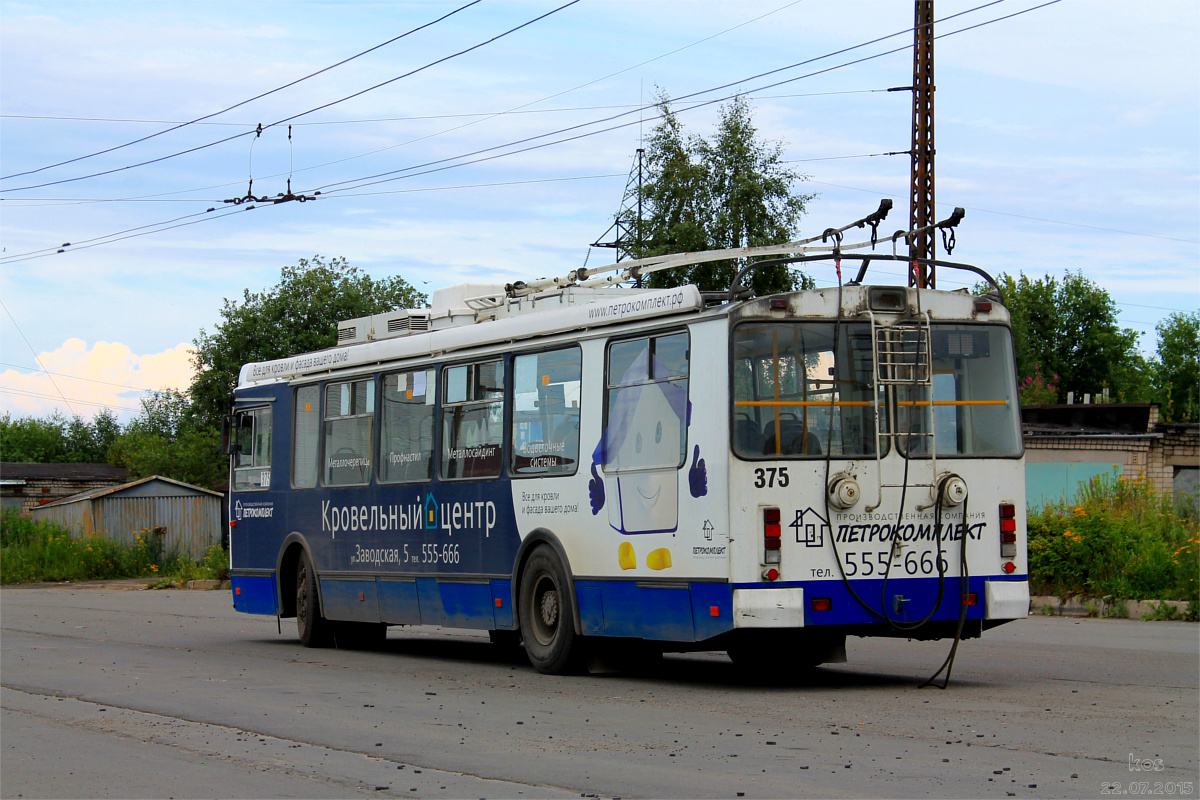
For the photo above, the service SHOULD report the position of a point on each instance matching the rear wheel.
(313, 629)
(782, 651)
(546, 616)
(360, 635)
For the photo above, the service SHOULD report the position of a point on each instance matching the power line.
(1024, 216)
(698, 104)
(6, 390)
(35, 355)
(77, 245)
(423, 117)
(520, 108)
(303, 113)
(841, 158)
(76, 377)
(1160, 308)
(244, 102)
(68, 201)
(35, 202)
(592, 133)
(480, 185)
(110, 240)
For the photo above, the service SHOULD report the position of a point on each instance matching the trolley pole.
(922, 212)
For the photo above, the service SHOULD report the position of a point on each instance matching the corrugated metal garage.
(189, 516)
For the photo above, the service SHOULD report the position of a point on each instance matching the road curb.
(206, 585)
(1046, 605)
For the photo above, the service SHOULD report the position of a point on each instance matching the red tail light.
(1008, 531)
(970, 599)
(771, 536)
(822, 603)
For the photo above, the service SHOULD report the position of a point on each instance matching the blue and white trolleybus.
(578, 466)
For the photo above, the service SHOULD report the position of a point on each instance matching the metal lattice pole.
(922, 213)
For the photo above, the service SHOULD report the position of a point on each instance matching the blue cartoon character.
(643, 443)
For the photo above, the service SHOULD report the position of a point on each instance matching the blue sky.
(1071, 134)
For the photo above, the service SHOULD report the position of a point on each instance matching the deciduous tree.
(298, 315)
(732, 191)
(1069, 328)
(1177, 368)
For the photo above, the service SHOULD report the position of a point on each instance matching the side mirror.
(229, 437)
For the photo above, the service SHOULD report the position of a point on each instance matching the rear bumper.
(1007, 599)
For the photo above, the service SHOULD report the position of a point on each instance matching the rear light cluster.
(771, 543)
(771, 536)
(1008, 530)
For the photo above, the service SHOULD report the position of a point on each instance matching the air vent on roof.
(412, 323)
(347, 334)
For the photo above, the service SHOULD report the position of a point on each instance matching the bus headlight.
(843, 492)
(952, 488)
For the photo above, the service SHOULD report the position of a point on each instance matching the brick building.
(27, 486)
(1067, 444)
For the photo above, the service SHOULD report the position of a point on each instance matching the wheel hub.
(549, 609)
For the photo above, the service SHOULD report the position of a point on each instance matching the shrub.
(45, 551)
(1121, 539)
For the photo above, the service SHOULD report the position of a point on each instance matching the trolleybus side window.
(252, 462)
(349, 413)
(406, 427)
(306, 437)
(787, 395)
(646, 408)
(472, 420)
(545, 422)
(974, 410)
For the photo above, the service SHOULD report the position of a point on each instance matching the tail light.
(970, 599)
(771, 536)
(1008, 530)
(822, 603)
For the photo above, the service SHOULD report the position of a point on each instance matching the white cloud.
(108, 374)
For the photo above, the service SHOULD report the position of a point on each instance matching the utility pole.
(624, 235)
(922, 212)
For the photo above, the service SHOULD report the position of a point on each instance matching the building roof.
(86, 472)
(1088, 419)
(103, 491)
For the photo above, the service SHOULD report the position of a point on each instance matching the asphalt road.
(109, 693)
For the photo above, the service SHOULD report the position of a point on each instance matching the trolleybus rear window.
(974, 408)
(787, 399)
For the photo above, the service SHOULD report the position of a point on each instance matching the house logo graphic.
(430, 512)
(810, 527)
(237, 509)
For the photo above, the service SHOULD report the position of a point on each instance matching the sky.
(1070, 133)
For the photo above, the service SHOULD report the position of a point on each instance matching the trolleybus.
(579, 466)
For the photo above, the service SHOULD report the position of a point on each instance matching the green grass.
(1122, 539)
(43, 551)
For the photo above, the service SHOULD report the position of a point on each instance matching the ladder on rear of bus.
(903, 357)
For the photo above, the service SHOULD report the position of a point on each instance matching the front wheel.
(313, 629)
(546, 617)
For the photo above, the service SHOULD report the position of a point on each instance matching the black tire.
(505, 640)
(546, 616)
(775, 653)
(359, 635)
(313, 629)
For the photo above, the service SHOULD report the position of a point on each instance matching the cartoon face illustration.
(642, 446)
(642, 475)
